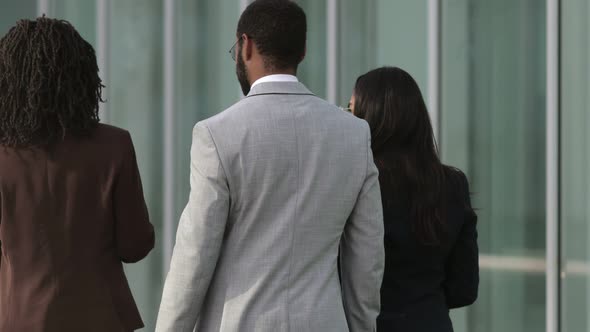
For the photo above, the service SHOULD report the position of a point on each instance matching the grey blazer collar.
(279, 88)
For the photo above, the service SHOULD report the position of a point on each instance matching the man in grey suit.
(279, 182)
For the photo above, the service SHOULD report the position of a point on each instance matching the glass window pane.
(206, 82)
(493, 128)
(356, 44)
(575, 163)
(312, 71)
(376, 33)
(14, 10)
(80, 14)
(135, 103)
(402, 37)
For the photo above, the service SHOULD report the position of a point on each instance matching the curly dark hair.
(49, 84)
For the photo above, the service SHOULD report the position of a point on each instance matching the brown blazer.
(69, 217)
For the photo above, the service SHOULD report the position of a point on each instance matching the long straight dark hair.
(404, 147)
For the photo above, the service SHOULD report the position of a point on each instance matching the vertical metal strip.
(587, 103)
(332, 50)
(434, 14)
(552, 167)
(103, 31)
(43, 7)
(169, 128)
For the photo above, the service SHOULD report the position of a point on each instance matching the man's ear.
(304, 53)
(247, 47)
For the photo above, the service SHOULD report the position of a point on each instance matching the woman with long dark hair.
(430, 228)
(71, 201)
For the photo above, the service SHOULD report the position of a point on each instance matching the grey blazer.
(279, 182)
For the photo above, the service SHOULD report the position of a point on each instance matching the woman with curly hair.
(71, 200)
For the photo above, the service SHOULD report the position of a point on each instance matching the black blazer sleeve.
(462, 268)
(134, 234)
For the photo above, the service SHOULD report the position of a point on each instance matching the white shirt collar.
(275, 78)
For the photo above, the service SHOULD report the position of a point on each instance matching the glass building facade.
(508, 87)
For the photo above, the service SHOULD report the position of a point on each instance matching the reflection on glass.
(575, 163)
(312, 71)
(205, 75)
(135, 103)
(14, 10)
(379, 33)
(401, 37)
(80, 14)
(493, 127)
(356, 44)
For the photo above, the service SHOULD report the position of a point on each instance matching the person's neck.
(255, 77)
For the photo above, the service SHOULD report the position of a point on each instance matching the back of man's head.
(279, 29)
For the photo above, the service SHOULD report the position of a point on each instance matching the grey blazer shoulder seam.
(221, 161)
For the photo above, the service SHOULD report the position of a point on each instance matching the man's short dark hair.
(279, 30)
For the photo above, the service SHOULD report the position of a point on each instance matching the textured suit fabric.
(422, 282)
(69, 217)
(279, 182)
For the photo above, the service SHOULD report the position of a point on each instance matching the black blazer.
(422, 282)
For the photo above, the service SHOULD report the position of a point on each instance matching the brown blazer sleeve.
(134, 234)
(0, 225)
